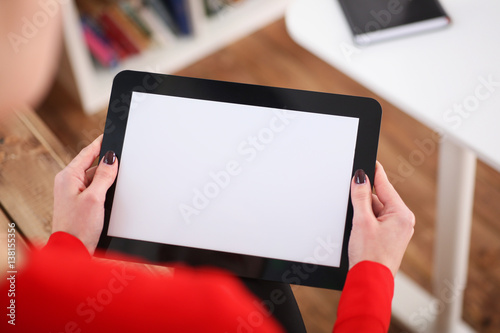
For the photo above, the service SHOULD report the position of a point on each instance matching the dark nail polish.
(109, 157)
(359, 176)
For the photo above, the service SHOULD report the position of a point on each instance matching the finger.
(377, 206)
(86, 157)
(104, 176)
(361, 194)
(89, 175)
(384, 189)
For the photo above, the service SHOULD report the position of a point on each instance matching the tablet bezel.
(367, 110)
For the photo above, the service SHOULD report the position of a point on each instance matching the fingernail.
(359, 176)
(109, 157)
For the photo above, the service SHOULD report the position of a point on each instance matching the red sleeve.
(62, 289)
(365, 304)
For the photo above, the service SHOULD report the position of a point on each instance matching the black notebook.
(376, 20)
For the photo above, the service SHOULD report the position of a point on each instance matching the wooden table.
(30, 157)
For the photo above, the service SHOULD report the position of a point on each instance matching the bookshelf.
(92, 85)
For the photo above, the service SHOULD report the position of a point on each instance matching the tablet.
(251, 179)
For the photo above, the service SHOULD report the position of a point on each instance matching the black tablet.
(251, 179)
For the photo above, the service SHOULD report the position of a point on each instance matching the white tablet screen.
(235, 178)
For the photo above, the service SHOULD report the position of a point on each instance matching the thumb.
(361, 194)
(105, 175)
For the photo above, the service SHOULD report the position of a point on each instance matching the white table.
(439, 78)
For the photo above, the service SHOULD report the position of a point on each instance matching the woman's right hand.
(79, 194)
(382, 224)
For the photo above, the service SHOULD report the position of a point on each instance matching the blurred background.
(63, 54)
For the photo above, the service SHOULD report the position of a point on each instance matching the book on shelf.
(162, 35)
(181, 15)
(98, 45)
(214, 7)
(159, 8)
(115, 30)
(132, 13)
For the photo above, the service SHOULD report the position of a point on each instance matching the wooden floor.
(270, 57)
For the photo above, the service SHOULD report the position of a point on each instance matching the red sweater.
(62, 290)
